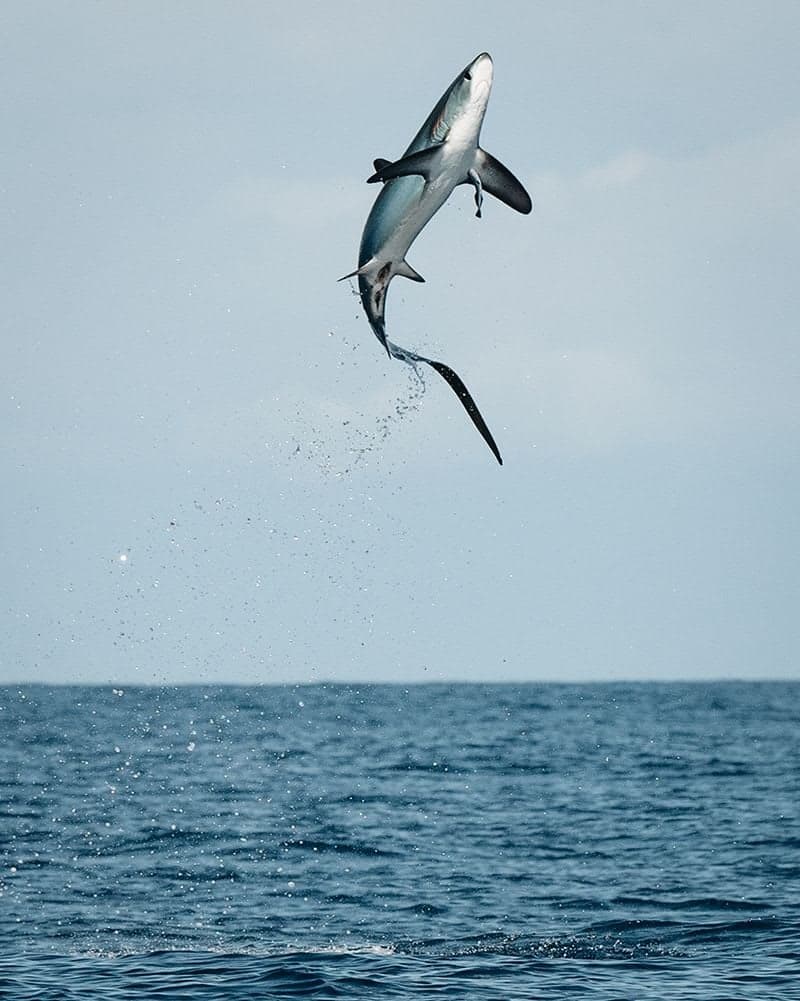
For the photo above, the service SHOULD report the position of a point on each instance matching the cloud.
(298, 204)
(647, 299)
(620, 171)
(593, 398)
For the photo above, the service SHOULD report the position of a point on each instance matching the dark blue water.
(482, 842)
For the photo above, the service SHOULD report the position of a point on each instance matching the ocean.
(619, 841)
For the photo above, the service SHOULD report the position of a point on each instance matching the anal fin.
(406, 271)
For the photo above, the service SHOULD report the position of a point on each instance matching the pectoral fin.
(500, 182)
(422, 162)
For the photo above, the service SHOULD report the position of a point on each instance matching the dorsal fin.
(422, 162)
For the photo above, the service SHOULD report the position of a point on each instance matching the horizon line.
(398, 684)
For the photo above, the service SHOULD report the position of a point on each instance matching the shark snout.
(481, 69)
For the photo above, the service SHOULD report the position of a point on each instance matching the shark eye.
(467, 75)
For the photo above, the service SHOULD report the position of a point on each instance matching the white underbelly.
(416, 217)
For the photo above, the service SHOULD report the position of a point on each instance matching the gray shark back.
(402, 191)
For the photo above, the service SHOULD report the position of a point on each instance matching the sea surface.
(438, 841)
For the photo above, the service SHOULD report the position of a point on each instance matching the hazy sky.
(211, 471)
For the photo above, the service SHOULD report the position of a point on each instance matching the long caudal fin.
(457, 385)
(461, 391)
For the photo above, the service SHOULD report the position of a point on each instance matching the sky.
(212, 472)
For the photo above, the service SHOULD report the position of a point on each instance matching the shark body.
(444, 154)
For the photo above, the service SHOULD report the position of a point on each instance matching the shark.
(444, 154)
